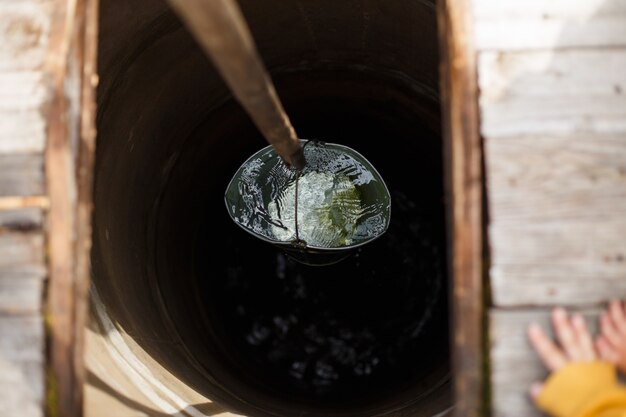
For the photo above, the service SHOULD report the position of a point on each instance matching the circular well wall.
(231, 316)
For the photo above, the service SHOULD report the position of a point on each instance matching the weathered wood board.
(558, 218)
(553, 92)
(24, 89)
(22, 374)
(21, 174)
(22, 386)
(22, 272)
(22, 132)
(514, 365)
(539, 24)
(21, 219)
(24, 29)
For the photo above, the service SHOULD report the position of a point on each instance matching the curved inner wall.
(231, 316)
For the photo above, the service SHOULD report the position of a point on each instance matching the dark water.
(374, 322)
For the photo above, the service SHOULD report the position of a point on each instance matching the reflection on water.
(342, 200)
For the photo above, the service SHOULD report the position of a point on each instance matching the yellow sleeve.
(584, 390)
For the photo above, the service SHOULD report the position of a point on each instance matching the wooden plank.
(568, 262)
(514, 365)
(22, 388)
(553, 92)
(21, 175)
(86, 155)
(21, 202)
(22, 132)
(21, 294)
(71, 56)
(21, 253)
(24, 29)
(21, 219)
(22, 90)
(463, 170)
(21, 365)
(538, 24)
(556, 178)
(22, 338)
(558, 218)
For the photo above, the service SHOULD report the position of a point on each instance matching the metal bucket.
(262, 180)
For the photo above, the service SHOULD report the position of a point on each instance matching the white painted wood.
(24, 30)
(552, 92)
(22, 90)
(539, 24)
(514, 366)
(22, 131)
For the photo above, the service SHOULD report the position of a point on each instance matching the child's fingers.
(618, 316)
(535, 390)
(606, 351)
(609, 331)
(565, 334)
(551, 356)
(585, 342)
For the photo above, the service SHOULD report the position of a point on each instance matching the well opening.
(231, 316)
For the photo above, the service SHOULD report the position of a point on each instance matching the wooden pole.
(463, 167)
(220, 28)
(69, 168)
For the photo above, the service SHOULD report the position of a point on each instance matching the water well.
(230, 316)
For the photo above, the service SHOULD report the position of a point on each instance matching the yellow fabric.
(584, 390)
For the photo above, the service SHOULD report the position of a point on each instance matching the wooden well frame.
(69, 162)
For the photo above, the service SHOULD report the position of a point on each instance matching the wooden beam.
(20, 202)
(84, 176)
(69, 166)
(463, 164)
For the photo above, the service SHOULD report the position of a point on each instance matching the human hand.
(611, 343)
(576, 344)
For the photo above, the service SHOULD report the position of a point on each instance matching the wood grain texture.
(22, 90)
(537, 24)
(87, 46)
(24, 29)
(21, 365)
(21, 219)
(557, 178)
(463, 170)
(71, 56)
(21, 175)
(22, 338)
(21, 384)
(22, 132)
(514, 365)
(558, 218)
(544, 263)
(553, 92)
(221, 30)
(21, 253)
(21, 294)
